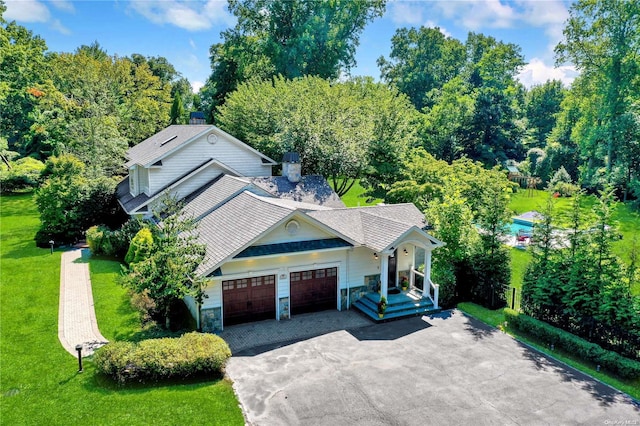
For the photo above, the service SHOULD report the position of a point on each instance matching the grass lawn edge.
(579, 366)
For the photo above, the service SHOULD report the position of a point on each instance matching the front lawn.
(496, 319)
(39, 379)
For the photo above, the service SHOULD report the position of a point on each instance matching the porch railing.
(432, 291)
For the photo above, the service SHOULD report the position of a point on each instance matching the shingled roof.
(165, 141)
(311, 189)
(209, 196)
(375, 227)
(236, 224)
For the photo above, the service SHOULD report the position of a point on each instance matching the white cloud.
(431, 24)
(63, 5)
(57, 25)
(406, 13)
(191, 16)
(550, 15)
(196, 86)
(474, 15)
(537, 72)
(26, 11)
(192, 43)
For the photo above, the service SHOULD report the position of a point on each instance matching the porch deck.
(402, 305)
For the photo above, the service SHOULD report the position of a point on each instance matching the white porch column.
(427, 266)
(384, 275)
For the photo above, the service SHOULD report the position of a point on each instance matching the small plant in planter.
(382, 306)
(404, 283)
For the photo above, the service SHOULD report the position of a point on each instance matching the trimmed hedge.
(608, 360)
(192, 354)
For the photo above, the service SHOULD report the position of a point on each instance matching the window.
(133, 178)
(307, 275)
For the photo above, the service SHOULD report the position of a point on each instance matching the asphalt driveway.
(441, 370)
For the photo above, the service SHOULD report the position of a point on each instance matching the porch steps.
(406, 304)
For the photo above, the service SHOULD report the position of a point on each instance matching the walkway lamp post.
(79, 349)
(51, 243)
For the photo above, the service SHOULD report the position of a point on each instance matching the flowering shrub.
(382, 305)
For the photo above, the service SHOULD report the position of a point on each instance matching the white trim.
(293, 213)
(398, 241)
(211, 129)
(314, 267)
(248, 274)
(189, 176)
(294, 253)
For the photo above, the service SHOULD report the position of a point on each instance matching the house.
(278, 246)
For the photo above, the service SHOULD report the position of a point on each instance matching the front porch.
(404, 304)
(408, 267)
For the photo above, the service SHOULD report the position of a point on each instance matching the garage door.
(249, 299)
(314, 290)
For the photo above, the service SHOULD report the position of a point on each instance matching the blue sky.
(182, 31)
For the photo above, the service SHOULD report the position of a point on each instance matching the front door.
(393, 269)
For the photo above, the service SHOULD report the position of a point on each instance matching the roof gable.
(376, 227)
(175, 137)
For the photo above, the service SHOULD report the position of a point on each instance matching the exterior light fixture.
(375, 256)
(79, 349)
(406, 253)
(51, 243)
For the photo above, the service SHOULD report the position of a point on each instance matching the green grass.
(519, 261)
(355, 197)
(496, 319)
(39, 380)
(625, 216)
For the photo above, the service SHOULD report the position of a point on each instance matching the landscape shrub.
(608, 360)
(24, 175)
(562, 184)
(104, 241)
(95, 237)
(145, 306)
(191, 355)
(140, 246)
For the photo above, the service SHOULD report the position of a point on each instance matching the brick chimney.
(291, 166)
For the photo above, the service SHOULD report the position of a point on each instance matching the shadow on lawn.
(604, 394)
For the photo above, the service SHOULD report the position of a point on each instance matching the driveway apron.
(440, 370)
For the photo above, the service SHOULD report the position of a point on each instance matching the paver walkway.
(256, 334)
(76, 317)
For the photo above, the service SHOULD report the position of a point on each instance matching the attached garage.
(249, 299)
(314, 290)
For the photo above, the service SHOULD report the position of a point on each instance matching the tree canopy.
(343, 131)
(288, 38)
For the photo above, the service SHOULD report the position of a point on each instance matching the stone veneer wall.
(211, 320)
(371, 283)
